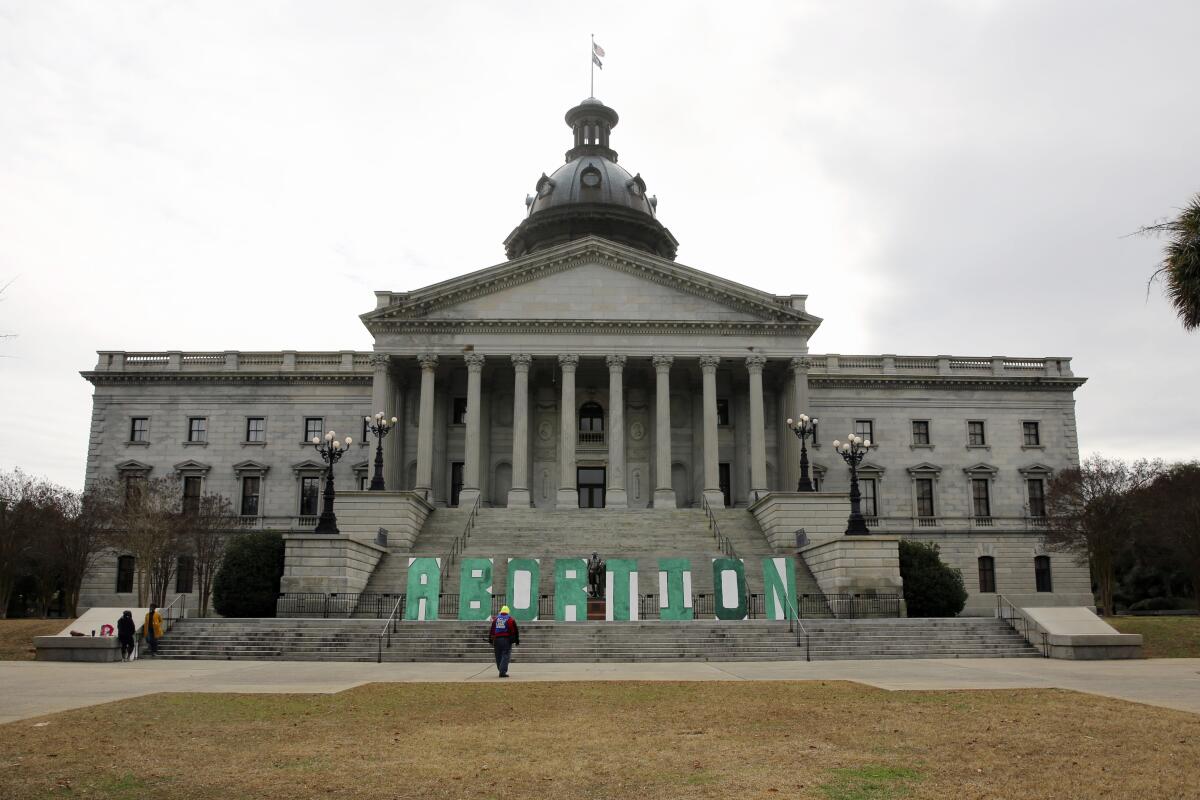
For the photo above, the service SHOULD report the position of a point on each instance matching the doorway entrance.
(723, 479)
(456, 482)
(590, 482)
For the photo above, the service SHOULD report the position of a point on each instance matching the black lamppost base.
(327, 524)
(857, 526)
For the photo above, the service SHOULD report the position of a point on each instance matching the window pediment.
(250, 467)
(133, 466)
(308, 467)
(193, 467)
(871, 470)
(925, 470)
(1036, 471)
(981, 469)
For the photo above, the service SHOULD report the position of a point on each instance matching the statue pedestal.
(595, 609)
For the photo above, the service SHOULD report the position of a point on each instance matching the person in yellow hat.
(504, 635)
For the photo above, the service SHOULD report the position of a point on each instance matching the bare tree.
(1173, 510)
(18, 512)
(90, 517)
(148, 528)
(1093, 512)
(205, 532)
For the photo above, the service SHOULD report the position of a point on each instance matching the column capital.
(568, 361)
(662, 363)
(755, 363)
(474, 361)
(521, 361)
(428, 361)
(801, 364)
(380, 360)
(709, 363)
(616, 363)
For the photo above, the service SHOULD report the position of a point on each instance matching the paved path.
(30, 689)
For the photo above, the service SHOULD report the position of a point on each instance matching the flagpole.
(592, 61)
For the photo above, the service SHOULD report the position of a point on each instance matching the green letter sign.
(779, 588)
(475, 589)
(570, 589)
(675, 589)
(523, 580)
(729, 582)
(621, 589)
(424, 586)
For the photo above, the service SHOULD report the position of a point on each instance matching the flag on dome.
(597, 49)
(597, 53)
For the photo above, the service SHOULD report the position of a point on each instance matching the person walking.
(153, 629)
(504, 635)
(126, 630)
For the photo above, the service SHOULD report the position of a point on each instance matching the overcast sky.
(939, 177)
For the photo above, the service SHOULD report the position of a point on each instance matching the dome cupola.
(591, 195)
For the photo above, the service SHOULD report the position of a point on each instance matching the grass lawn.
(821, 740)
(1163, 637)
(16, 636)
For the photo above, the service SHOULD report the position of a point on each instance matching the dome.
(591, 195)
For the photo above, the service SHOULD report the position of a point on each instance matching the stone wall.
(822, 515)
(855, 564)
(323, 563)
(360, 515)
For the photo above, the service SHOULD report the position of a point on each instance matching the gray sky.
(939, 177)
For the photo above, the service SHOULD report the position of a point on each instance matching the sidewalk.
(33, 688)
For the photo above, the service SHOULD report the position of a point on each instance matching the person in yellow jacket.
(153, 629)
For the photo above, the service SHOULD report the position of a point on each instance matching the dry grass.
(16, 636)
(822, 740)
(1163, 637)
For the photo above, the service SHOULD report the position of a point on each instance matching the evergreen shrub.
(247, 584)
(932, 588)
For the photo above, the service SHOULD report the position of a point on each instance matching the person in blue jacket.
(504, 635)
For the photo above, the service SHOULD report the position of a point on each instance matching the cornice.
(146, 376)
(422, 302)
(817, 380)
(590, 326)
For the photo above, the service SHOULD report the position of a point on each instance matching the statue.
(595, 572)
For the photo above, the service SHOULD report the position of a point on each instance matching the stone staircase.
(548, 642)
(641, 534)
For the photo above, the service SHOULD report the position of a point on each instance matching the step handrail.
(460, 542)
(723, 543)
(1022, 623)
(389, 628)
(168, 619)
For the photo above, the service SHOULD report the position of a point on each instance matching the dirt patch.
(1163, 637)
(16, 636)
(607, 740)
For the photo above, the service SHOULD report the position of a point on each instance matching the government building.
(592, 386)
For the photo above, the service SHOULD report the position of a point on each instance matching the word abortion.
(621, 589)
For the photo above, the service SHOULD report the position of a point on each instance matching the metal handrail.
(1022, 623)
(389, 628)
(167, 617)
(460, 542)
(796, 619)
(723, 543)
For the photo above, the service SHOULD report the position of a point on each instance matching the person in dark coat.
(126, 629)
(504, 635)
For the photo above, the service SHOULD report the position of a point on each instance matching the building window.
(723, 411)
(920, 430)
(1033, 434)
(133, 488)
(925, 497)
(975, 436)
(1041, 574)
(125, 574)
(1037, 497)
(459, 417)
(980, 502)
(139, 429)
(865, 429)
(364, 482)
(366, 432)
(197, 429)
(591, 419)
(251, 489)
(313, 428)
(191, 494)
(870, 507)
(256, 429)
(987, 574)
(185, 567)
(310, 491)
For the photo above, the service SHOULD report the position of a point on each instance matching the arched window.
(591, 424)
(1041, 574)
(987, 574)
(124, 574)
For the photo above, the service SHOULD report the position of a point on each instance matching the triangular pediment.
(592, 279)
(924, 468)
(191, 465)
(133, 465)
(980, 468)
(251, 466)
(308, 466)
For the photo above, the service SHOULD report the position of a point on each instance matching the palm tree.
(1180, 268)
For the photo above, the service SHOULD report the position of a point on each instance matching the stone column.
(712, 473)
(470, 488)
(424, 483)
(615, 496)
(518, 495)
(383, 398)
(568, 494)
(664, 494)
(758, 431)
(795, 405)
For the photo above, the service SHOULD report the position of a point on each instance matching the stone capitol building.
(591, 378)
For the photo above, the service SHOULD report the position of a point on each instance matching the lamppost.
(803, 428)
(853, 450)
(379, 425)
(331, 451)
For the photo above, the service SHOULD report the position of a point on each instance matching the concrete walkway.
(32, 688)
